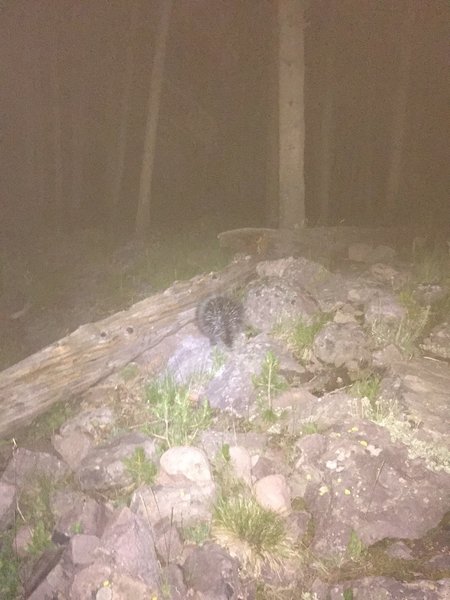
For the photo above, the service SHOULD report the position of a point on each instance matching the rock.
(7, 504)
(128, 543)
(346, 478)
(210, 571)
(82, 548)
(27, 466)
(241, 464)
(272, 492)
(373, 588)
(342, 345)
(438, 341)
(186, 461)
(75, 512)
(184, 503)
(104, 467)
(78, 435)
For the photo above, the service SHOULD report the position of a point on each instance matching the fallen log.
(94, 351)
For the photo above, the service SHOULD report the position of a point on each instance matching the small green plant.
(40, 540)
(348, 594)
(268, 384)
(300, 335)
(355, 547)
(310, 428)
(255, 535)
(9, 568)
(45, 425)
(175, 419)
(225, 475)
(142, 470)
(218, 359)
(76, 528)
(368, 387)
(129, 372)
(198, 534)
(35, 509)
(225, 452)
(407, 331)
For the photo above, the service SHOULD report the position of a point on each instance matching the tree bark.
(291, 66)
(400, 112)
(327, 128)
(118, 158)
(148, 159)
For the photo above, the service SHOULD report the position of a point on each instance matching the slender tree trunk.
(118, 158)
(272, 160)
(327, 129)
(58, 205)
(148, 159)
(394, 181)
(77, 113)
(291, 113)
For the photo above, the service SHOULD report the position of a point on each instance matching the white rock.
(241, 463)
(185, 460)
(272, 492)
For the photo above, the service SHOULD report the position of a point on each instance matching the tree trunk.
(291, 66)
(399, 112)
(327, 128)
(57, 199)
(77, 86)
(118, 158)
(148, 159)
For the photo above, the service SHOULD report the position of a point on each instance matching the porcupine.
(220, 318)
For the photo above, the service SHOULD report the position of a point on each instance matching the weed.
(76, 528)
(255, 535)
(142, 470)
(408, 330)
(129, 372)
(48, 423)
(225, 475)
(35, 509)
(310, 428)
(40, 540)
(268, 384)
(198, 534)
(176, 421)
(218, 359)
(368, 387)
(300, 335)
(9, 568)
(355, 547)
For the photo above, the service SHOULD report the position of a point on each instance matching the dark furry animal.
(220, 318)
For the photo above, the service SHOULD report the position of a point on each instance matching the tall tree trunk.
(272, 155)
(291, 66)
(327, 128)
(78, 58)
(118, 157)
(57, 200)
(364, 200)
(394, 181)
(148, 159)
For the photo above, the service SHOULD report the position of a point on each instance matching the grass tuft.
(254, 535)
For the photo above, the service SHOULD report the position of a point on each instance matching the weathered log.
(78, 361)
(313, 242)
